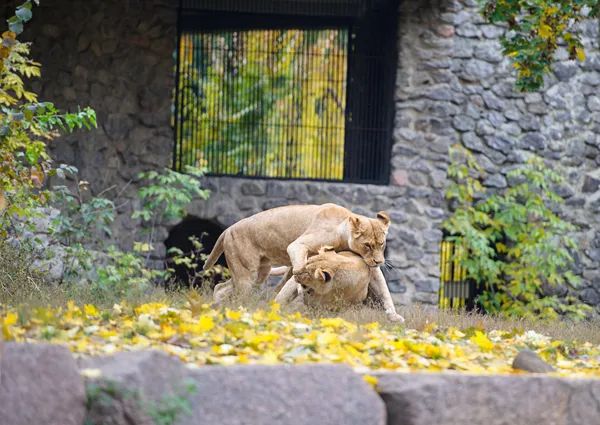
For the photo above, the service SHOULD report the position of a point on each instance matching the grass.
(19, 286)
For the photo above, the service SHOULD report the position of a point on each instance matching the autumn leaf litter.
(201, 335)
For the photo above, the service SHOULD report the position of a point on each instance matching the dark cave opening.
(207, 232)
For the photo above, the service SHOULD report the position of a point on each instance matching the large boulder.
(458, 399)
(285, 394)
(129, 388)
(40, 384)
(151, 387)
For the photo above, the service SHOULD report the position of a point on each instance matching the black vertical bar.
(177, 76)
(390, 84)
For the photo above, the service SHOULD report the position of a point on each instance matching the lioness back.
(271, 232)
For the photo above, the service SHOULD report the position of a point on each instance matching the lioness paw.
(396, 318)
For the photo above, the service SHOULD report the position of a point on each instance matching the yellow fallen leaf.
(206, 323)
(371, 380)
(580, 54)
(482, 341)
(90, 310)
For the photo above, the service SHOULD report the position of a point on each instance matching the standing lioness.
(286, 235)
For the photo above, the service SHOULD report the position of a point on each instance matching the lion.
(329, 280)
(285, 236)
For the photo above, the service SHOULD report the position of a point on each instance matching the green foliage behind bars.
(264, 102)
(512, 242)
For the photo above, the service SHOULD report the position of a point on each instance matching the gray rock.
(275, 203)
(433, 235)
(252, 188)
(117, 126)
(530, 123)
(500, 143)
(495, 180)
(408, 237)
(40, 384)
(533, 141)
(130, 384)
(496, 118)
(512, 114)
(564, 71)
(590, 296)
(463, 123)
(593, 103)
(427, 285)
(246, 204)
(476, 70)
(490, 52)
(456, 399)
(529, 361)
(468, 30)
(275, 190)
(285, 394)
(492, 31)
(463, 48)
(591, 78)
(492, 101)
(591, 183)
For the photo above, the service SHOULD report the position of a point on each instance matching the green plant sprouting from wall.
(512, 242)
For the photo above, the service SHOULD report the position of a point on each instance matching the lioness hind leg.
(245, 269)
(222, 292)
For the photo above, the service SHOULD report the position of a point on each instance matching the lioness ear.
(384, 218)
(325, 249)
(323, 275)
(354, 224)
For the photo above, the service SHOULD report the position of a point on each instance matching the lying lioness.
(285, 236)
(329, 279)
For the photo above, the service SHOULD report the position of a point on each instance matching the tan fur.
(286, 236)
(329, 280)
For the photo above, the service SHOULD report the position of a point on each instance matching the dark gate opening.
(287, 89)
(207, 232)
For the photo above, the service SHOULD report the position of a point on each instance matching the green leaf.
(24, 12)
(16, 26)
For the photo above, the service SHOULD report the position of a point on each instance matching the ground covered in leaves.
(203, 336)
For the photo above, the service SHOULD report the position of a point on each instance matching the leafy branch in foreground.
(27, 125)
(535, 30)
(513, 242)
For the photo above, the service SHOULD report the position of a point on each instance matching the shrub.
(513, 242)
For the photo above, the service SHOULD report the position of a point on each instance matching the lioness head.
(319, 270)
(367, 237)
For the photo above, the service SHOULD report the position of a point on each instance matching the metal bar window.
(266, 96)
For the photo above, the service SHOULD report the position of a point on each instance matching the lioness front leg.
(298, 252)
(288, 293)
(380, 290)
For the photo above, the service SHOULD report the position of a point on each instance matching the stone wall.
(452, 86)
(116, 57)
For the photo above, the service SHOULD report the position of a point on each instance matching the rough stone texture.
(40, 384)
(456, 399)
(132, 382)
(290, 394)
(529, 361)
(232, 395)
(453, 86)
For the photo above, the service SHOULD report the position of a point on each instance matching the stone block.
(285, 394)
(457, 399)
(40, 384)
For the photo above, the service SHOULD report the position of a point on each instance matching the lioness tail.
(215, 253)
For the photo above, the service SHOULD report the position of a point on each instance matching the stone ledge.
(41, 384)
(458, 399)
